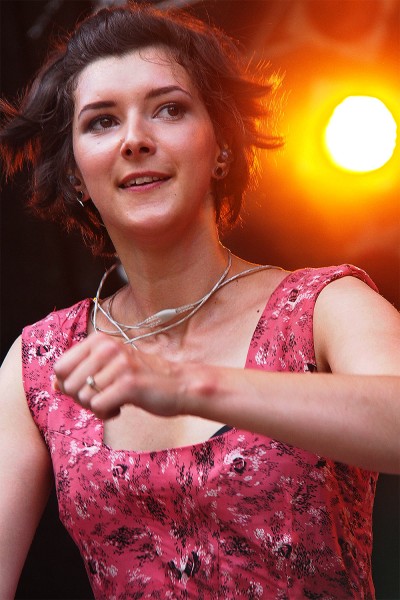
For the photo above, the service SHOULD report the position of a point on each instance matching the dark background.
(304, 214)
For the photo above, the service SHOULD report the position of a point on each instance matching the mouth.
(142, 181)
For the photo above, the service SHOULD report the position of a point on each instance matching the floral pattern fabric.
(238, 516)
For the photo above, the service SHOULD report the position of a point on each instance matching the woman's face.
(144, 145)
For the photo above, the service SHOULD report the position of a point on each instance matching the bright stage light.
(361, 134)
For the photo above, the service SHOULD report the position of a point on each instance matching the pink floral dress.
(238, 516)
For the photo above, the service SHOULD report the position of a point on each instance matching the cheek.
(93, 161)
(201, 150)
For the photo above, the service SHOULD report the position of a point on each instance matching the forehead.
(134, 70)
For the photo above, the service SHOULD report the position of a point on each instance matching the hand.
(121, 376)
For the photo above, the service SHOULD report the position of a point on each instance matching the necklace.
(165, 316)
(162, 319)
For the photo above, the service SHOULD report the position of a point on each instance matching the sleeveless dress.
(238, 516)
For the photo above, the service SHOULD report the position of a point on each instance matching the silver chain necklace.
(160, 319)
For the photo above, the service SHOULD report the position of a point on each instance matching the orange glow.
(309, 171)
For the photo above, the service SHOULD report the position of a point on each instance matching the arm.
(350, 410)
(25, 474)
(350, 413)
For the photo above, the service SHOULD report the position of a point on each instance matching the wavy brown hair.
(38, 129)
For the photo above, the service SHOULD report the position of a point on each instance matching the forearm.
(349, 418)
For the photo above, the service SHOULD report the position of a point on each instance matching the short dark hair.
(38, 131)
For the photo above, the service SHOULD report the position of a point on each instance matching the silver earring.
(79, 197)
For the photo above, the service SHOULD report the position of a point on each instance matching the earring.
(75, 181)
(225, 157)
(79, 198)
(219, 172)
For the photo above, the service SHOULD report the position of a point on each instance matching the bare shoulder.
(356, 330)
(11, 377)
(15, 417)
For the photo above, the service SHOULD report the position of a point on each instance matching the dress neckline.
(226, 432)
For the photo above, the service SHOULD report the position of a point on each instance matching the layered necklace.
(161, 320)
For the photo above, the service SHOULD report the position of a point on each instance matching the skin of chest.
(219, 336)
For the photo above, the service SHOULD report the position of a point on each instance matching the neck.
(161, 280)
(170, 317)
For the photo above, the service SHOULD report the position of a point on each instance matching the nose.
(137, 141)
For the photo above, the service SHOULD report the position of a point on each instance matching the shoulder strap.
(283, 340)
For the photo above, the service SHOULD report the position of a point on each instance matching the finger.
(153, 393)
(72, 357)
(108, 403)
(74, 371)
(105, 373)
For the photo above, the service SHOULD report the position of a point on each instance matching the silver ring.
(92, 384)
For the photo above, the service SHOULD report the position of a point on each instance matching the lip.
(146, 179)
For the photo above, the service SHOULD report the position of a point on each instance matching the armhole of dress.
(334, 274)
(221, 431)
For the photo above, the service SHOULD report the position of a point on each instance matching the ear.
(75, 179)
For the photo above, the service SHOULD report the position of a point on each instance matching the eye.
(101, 123)
(171, 111)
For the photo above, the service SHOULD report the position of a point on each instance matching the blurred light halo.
(361, 134)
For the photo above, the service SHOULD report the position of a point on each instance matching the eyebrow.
(154, 93)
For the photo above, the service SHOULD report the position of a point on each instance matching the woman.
(179, 473)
